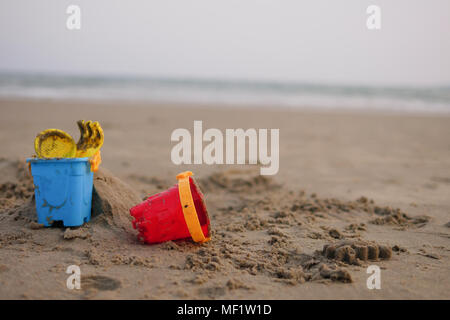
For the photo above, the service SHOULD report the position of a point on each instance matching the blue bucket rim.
(57, 159)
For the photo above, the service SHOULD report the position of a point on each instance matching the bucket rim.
(59, 160)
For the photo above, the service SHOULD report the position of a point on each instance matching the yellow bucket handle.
(187, 204)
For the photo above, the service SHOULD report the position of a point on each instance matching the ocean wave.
(217, 92)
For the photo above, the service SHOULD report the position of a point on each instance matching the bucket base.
(48, 222)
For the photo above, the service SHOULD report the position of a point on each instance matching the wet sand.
(353, 190)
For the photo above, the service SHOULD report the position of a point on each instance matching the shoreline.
(232, 106)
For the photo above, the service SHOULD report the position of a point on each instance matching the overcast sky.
(323, 41)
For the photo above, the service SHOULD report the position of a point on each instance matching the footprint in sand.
(101, 283)
(353, 252)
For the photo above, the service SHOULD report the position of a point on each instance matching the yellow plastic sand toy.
(54, 143)
(91, 138)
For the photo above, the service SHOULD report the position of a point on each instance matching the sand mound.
(16, 184)
(16, 191)
(395, 217)
(112, 199)
(236, 181)
(24, 212)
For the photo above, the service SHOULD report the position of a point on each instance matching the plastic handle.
(187, 204)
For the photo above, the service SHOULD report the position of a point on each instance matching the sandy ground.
(353, 190)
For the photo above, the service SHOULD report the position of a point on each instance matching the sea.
(222, 93)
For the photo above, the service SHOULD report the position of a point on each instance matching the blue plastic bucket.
(63, 190)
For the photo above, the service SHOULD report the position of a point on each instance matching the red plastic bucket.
(176, 213)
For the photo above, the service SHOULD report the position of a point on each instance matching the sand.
(353, 190)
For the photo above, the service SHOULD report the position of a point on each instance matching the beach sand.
(353, 190)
